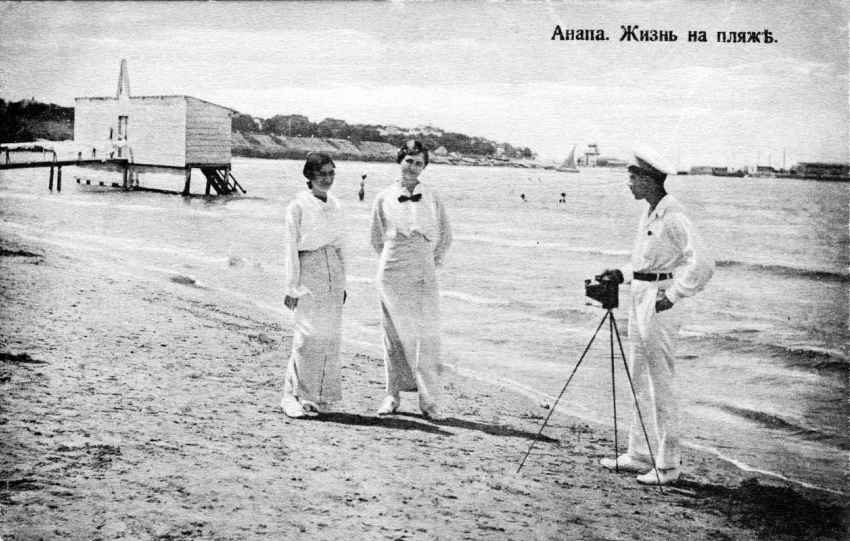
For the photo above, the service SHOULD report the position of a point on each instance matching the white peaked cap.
(646, 156)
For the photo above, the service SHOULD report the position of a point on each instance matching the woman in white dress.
(411, 232)
(315, 290)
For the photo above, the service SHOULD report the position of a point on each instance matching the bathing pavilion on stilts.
(137, 134)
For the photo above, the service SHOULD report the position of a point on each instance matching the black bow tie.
(414, 198)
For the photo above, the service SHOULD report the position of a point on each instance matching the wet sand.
(149, 410)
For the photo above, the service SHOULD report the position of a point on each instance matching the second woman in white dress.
(411, 232)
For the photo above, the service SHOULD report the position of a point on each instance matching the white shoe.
(389, 405)
(626, 463)
(291, 407)
(314, 408)
(659, 477)
(433, 414)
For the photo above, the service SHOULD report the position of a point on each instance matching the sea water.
(762, 363)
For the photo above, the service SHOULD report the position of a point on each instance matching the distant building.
(392, 130)
(825, 171)
(604, 161)
(427, 131)
(174, 131)
(591, 157)
(729, 172)
(160, 131)
(441, 152)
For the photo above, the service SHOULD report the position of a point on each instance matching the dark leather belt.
(652, 277)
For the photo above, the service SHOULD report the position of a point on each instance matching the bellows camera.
(606, 290)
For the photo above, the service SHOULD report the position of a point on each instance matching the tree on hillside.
(331, 128)
(243, 123)
(290, 126)
(25, 120)
(361, 132)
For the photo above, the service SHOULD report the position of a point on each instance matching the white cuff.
(297, 292)
(673, 295)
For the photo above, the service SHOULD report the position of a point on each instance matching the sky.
(487, 69)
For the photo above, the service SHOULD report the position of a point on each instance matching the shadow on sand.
(493, 430)
(393, 422)
(776, 512)
(414, 421)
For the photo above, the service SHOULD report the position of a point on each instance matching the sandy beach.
(149, 410)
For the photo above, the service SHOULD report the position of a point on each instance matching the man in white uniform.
(668, 263)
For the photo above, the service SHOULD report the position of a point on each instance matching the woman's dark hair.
(315, 161)
(412, 148)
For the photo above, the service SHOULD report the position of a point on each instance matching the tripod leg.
(613, 390)
(552, 410)
(634, 395)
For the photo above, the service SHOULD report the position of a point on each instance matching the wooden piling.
(188, 181)
(50, 185)
(59, 179)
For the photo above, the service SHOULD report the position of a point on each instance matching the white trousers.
(653, 337)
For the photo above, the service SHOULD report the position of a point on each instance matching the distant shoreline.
(297, 148)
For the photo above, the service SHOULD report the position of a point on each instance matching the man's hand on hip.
(662, 303)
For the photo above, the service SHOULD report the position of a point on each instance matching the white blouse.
(310, 224)
(391, 217)
(666, 242)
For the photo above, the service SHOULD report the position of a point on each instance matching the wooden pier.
(51, 164)
(56, 168)
(219, 178)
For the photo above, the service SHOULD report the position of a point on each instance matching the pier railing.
(219, 177)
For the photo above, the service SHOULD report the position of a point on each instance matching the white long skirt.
(313, 372)
(410, 318)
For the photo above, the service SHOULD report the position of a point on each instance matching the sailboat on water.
(569, 165)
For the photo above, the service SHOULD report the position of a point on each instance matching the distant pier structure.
(160, 132)
(138, 134)
(591, 157)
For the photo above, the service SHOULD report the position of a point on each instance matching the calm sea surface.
(763, 360)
